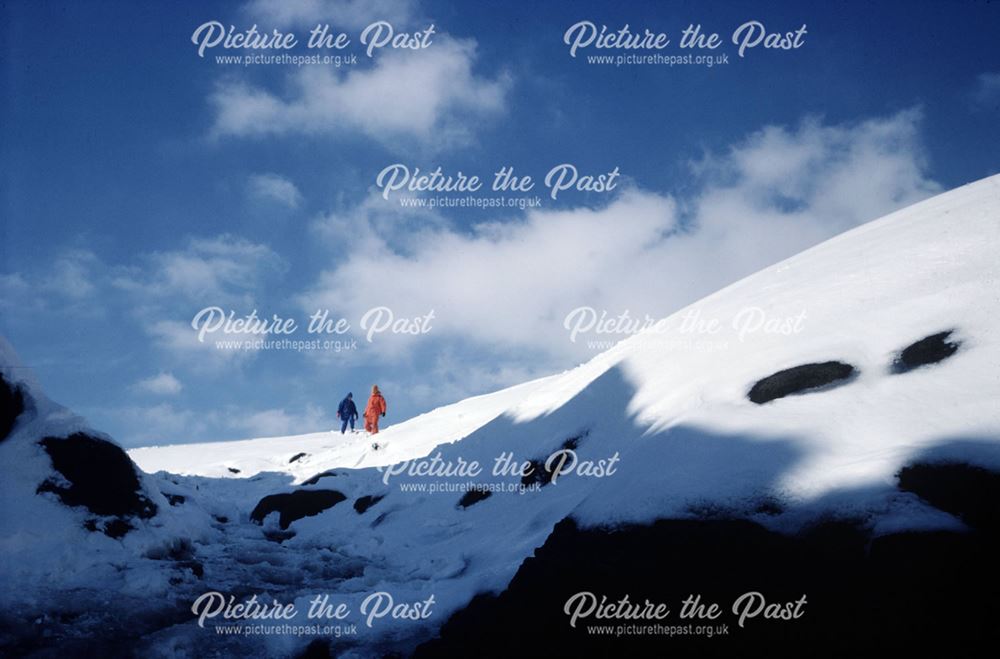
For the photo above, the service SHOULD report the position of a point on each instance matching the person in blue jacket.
(347, 412)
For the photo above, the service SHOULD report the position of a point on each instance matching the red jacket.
(375, 407)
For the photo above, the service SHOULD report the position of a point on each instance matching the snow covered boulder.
(851, 588)
(11, 406)
(315, 479)
(969, 492)
(362, 504)
(295, 505)
(51, 456)
(97, 475)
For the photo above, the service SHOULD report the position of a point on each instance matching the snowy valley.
(855, 463)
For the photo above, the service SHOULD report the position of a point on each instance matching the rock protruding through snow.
(928, 350)
(969, 492)
(295, 505)
(362, 504)
(11, 406)
(800, 379)
(100, 477)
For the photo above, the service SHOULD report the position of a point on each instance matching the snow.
(410, 439)
(667, 408)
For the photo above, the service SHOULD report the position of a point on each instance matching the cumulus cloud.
(509, 285)
(72, 273)
(167, 423)
(274, 188)
(281, 421)
(375, 223)
(69, 282)
(162, 423)
(222, 271)
(429, 95)
(162, 384)
(15, 293)
(213, 354)
(216, 269)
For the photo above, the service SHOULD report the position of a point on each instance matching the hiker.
(347, 412)
(375, 408)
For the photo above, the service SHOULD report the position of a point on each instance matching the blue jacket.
(347, 409)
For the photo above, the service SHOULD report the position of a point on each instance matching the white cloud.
(508, 286)
(154, 424)
(431, 95)
(374, 221)
(71, 274)
(986, 93)
(15, 293)
(280, 421)
(165, 423)
(217, 351)
(209, 270)
(68, 282)
(343, 14)
(162, 384)
(224, 271)
(455, 375)
(272, 187)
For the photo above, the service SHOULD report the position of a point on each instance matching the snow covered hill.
(877, 356)
(327, 450)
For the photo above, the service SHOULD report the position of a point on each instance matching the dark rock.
(295, 505)
(928, 350)
(113, 528)
(862, 593)
(317, 649)
(472, 497)
(117, 528)
(102, 477)
(364, 503)
(800, 379)
(315, 479)
(968, 492)
(11, 406)
(176, 549)
(278, 536)
(297, 456)
(221, 519)
(769, 506)
(175, 499)
(233, 470)
(535, 473)
(572, 442)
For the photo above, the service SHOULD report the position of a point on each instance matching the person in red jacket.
(374, 409)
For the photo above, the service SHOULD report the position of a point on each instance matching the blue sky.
(143, 183)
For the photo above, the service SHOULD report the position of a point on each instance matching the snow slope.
(865, 295)
(668, 409)
(410, 439)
